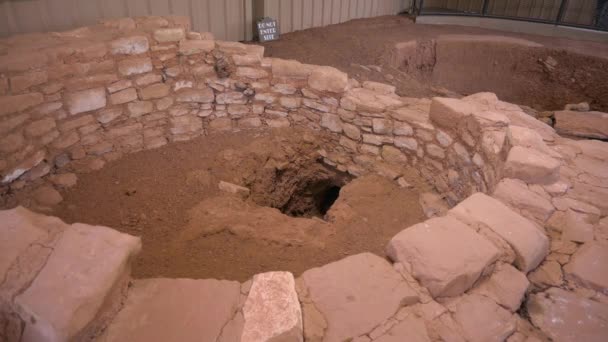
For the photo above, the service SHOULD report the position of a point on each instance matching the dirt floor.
(189, 228)
(363, 49)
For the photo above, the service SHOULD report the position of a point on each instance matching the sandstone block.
(582, 124)
(290, 69)
(154, 91)
(77, 122)
(24, 166)
(191, 47)
(64, 180)
(130, 45)
(446, 112)
(123, 96)
(380, 88)
(17, 103)
(530, 244)
(331, 122)
(356, 294)
(135, 66)
(234, 189)
(12, 142)
(119, 85)
(252, 73)
(166, 35)
(175, 310)
(272, 309)
(328, 79)
(139, 108)
(563, 316)
(86, 100)
(588, 267)
(444, 255)
(47, 196)
(531, 166)
(73, 285)
(196, 95)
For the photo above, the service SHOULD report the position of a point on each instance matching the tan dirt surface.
(191, 229)
(580, 74)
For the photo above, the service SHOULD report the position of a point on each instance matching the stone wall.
(78, 99)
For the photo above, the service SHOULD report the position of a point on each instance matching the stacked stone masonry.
(528, 227)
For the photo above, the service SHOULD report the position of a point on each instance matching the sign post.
(268, 30)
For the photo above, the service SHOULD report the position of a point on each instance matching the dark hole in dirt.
(313, 200)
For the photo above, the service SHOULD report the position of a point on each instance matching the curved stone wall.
(529, 215)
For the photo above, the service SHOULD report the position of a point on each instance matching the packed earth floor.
(192, 229)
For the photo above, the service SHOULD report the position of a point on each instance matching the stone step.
(61, 280)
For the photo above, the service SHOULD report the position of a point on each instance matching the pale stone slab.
(356, 294)
(444, 255)
(86, 264)
(325, 78)
(530, 244)
(272, 311)
(86, 100)
(565, 317)
(175, 310)
(589, 265)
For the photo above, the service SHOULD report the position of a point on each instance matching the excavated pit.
(300, 213)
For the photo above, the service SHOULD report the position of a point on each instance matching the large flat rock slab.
(481, 319)
(565, 317)
(443, 254)
(356, 294)
(582, 124)
(531, 166)
(272, 311)
(175, 310)
(528, 241)
(589, 266)
(85, 266)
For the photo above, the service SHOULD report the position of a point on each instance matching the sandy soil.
(580, 76)
(189, 228)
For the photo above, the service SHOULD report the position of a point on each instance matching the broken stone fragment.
(234, 189)
(588, 266)
(506, 286)
(582, 124)
(531, 166)
(272, 310)
(481, 319)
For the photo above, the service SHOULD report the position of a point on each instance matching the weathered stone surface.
(582, 124)
(139, 108)
(531, 166)
(191, 47)
(175, 310)
(86, 100)
(328, 79)
(588, 266)
(331, 122)
(135, 66)
(447, 112)
(565, 317)
(40, 127)
(290, 69)
(548, 274)
(73, 285)
(529, 204)
(411, 329)
(530, 244)
(123, 96)
(169, 35)
(19, 229)
(17, 103)
(196, 95)
(506, 286)
(356, 294)
(481, 319)
(154, 91)
(272, 310)
(443, 254)
(130, 45)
